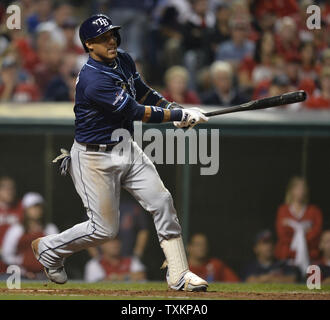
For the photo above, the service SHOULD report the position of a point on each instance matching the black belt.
(100, 147)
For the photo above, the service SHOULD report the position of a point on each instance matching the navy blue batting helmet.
(96, 25)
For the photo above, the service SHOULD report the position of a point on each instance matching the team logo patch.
(101, 22)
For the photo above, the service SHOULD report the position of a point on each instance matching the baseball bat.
(286, 98)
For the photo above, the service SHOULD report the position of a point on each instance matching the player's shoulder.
(124, 55)
(126, 59)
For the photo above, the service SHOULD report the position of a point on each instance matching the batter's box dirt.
(172, 294)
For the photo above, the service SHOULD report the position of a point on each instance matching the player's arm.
(145, 95)
(148, 96)
(109, 96)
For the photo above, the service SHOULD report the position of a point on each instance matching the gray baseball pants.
(98, 178)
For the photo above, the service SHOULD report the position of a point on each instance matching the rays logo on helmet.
(101, 22)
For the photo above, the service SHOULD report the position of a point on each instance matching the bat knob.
(302, 95)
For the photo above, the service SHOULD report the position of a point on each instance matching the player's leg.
(98, 185)
(144, 183)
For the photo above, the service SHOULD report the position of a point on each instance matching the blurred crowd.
(301, 241)
(211, 52)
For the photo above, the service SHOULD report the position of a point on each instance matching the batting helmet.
(96, 25)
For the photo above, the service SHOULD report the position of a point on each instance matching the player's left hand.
(63, 160)
(191, 117)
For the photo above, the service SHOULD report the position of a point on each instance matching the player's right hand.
(191, 117)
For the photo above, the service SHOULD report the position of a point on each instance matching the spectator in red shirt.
(266, 269)
(16, 85)
(263, 65)
(111, 266)
(176, 80)
(18, 238)
(211, 269)
(11, 210)
(321, 98)
(324, 262)
(298, 226)
(280, 7)
(287, 40)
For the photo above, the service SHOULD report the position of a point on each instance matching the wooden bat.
(286, 98)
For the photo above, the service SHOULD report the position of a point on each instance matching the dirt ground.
(169, 294)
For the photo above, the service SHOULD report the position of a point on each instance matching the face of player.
(7, 191)
(104, 47)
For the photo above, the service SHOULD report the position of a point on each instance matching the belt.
(99, 147)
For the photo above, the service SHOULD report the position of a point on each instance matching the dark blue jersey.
(107, 98)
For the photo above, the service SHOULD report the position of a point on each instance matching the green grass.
(221, 287)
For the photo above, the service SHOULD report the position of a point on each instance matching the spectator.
(133, 229)
(42, 13)
(16, 85)
(62, 86)
(239, 47)
(223, 93)
(114, 267)
(11, 210)
(51, 57)
(278, 85)
(132, 14)
(195, 38)
(176, 80)
(298, 226)
(324, 262)
(200, 263)
(279, 7)
(69, 29)
(171, 38)
(262, 66)
(266, 269)
(287, 40)
(18, 238)
(221, 31)
(321, 98)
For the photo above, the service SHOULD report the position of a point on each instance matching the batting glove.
(191, 117)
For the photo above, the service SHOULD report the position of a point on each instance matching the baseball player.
(110, 95)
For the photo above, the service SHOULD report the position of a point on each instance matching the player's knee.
(106, 232)
(164, 202)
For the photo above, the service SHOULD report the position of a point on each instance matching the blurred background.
(264, 217)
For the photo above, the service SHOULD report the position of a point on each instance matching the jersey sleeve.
(106, 94)
(145, 94)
